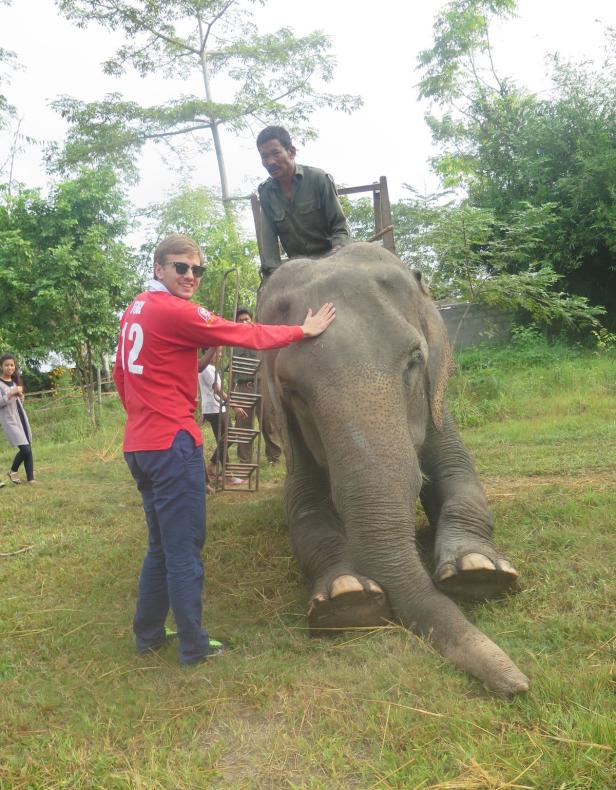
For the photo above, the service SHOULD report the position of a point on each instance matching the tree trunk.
(99, 397)
(107, 384)
(222, 171)
(85, 370)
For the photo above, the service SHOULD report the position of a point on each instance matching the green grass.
(382, 710)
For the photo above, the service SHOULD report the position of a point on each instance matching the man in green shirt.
(299, 205)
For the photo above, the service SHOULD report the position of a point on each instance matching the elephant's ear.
(440, 360)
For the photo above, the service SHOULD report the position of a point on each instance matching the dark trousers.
(172, 486)
(24, 456)
(244, 451)
(218, 422)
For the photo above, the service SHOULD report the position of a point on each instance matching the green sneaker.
(215, 648)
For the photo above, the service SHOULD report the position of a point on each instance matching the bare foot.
(350, 602)
(476, 577)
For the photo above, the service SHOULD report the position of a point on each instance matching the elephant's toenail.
(346, 584)
(506, 567)
(446, 571)
(476, 562)
(319, 598)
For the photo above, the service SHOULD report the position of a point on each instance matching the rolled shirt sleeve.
(332, 209)
(270, 247)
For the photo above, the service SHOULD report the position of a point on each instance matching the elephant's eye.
(416, 358)
(414, 363)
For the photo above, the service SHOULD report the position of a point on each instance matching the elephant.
(365, 433)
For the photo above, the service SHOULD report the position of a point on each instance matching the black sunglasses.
(182, 268)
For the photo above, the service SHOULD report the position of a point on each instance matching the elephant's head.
(380, 369)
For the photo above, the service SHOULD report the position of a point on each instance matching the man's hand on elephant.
(316, 324)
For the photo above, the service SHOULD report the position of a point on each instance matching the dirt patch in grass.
(502, 487)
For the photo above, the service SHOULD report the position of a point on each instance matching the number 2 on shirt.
(135, 335)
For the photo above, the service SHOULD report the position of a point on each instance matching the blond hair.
(177, 244)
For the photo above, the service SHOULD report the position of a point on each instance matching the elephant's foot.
(349, 602)
(476, 577)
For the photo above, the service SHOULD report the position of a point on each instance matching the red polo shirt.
(156, 363)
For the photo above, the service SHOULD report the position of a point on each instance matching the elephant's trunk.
(378, 510)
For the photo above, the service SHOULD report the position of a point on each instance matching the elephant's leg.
(467, 563)
(340, 598)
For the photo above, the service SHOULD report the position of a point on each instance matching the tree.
(513, 153)
(478, 107)
(413, 219)
(273, 75)
(64, 273)
(467, 253)
(462, 55)
(198, 213)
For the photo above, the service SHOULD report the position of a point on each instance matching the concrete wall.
(470, 324)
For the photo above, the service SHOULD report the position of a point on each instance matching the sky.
(376, 47)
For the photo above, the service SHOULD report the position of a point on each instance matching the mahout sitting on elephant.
(366, 432)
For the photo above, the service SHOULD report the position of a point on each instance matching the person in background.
(214, 412)
(246, 383)
(155, 374)
(299, 205)
(14, 418)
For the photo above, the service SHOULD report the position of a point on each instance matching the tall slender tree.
(263, 77)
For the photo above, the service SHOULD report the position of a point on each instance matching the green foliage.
(514, 153)
(461, 39)
(35, 380)
(468, 254)
(64, 273)
(481, 390)
(198, 212)
(360, 216)
(605, 341)
(269, 78)
(103, 133)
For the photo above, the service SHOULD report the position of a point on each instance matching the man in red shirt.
(156, 377)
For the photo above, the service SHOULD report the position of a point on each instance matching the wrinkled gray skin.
(365, 433)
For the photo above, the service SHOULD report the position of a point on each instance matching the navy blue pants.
(172, 486)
